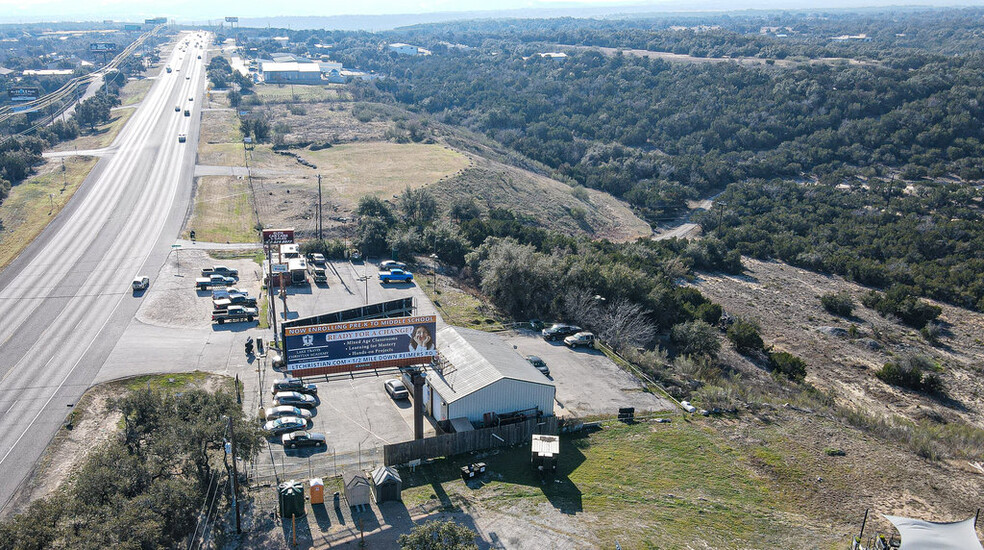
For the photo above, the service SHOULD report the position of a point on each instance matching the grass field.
(175, 381)
(222, 211)
(382, 168)
(35, 202)
(231, 154)
(220, 127)
(676, 485)
(134, 91)
(300, 92)
(101, 136)
(457, 307)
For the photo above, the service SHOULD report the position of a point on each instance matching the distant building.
(407, 49)
(282, 40)
(290, 73)
(553, 55)
(851, 37)
(47, 72)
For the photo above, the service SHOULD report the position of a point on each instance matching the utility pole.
(235, 478)
(320, 224)
(273, 299)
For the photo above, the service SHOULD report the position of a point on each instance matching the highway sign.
(232, 19)
(102, 47)
(24, 93)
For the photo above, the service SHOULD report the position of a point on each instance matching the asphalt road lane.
(66, 301)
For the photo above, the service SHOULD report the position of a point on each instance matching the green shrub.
(900, 302)
(695, 338)
(910, 372)
(838, 303)
(787, 364)
(709, 312)
(745, 336)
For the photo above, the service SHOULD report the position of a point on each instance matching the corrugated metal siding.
(503, 396)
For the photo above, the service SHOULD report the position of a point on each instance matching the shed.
(356, 488)
(386, 484)
(544, 453)
(478, 373)
(291, 499)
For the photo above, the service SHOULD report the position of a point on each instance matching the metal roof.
(291, 66)
(477, 359)
(383, 474)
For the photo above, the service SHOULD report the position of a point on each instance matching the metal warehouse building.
(300, 73)
(478, 373)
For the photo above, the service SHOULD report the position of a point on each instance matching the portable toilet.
(386, 484)
(357, 491)
(317, 490)
(291, 499)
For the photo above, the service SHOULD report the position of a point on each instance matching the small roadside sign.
(175, 246)
(247, 139)
(280, 268)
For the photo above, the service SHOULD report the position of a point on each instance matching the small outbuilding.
(386, 484)
(357, 490)
(291, 499)
(545, 451)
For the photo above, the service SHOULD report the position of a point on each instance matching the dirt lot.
(172, 299)
(785, 302)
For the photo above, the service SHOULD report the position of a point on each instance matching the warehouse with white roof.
(478, 373)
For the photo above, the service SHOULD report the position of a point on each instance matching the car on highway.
(182, 138)
(141, 282)
(273, 413)
(396, 389)
(187, 112)
(191, 99)
(187, 78)
(557, 331)
(177, 108)
(295, 399)
(294, 384)
(286, 424)
(580, 339)
(298, 439)
(538, 364)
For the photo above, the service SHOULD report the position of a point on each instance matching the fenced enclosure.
(466, 442)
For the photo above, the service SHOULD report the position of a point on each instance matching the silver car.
(295, 399)
(274, 413)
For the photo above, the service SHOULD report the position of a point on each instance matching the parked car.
(395, 275)
(396, 389)
(392, 264)
(286, 424)
(580, 339)
(233, 300)
(294, 384)
(220, 270)
(234, 313)
(274, 413)
(318, 259)
(228, 292)
(296, 399)
(538, 364)
(141, 282)
(536, 324)
(557, 331)
(294, 440)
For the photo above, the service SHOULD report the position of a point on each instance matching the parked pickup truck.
(222, 293)
(318, 273)
(234, 313)
(220, 270)
(233, 300)
(204, 283)
(395, 275)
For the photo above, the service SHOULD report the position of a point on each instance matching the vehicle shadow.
(139, 293)
(234, 327)
(398, 285)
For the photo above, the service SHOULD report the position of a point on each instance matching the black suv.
(294, 440)
(294, 384)
(558, 331)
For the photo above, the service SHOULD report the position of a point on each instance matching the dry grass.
(28, 209)
(220, 127)
(233, 154)
(330, 122)
(101, 136)
(285, 93)
(222, 211)
(134, 91)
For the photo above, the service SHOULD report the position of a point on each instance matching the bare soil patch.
(785, 302)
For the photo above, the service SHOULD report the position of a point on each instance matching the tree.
(696, 338)
(464, 209)
(439, 535)
(373, 206)
(418, 206)
(627, 324)
(517, 278)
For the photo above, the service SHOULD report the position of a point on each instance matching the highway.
(65, 301)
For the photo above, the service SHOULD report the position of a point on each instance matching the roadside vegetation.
(143, 488)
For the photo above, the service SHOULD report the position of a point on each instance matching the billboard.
(232, 19)
(132, 27)
(102, 47)
(24, 93)
(278, 236)
(359, 345)
(155, 21)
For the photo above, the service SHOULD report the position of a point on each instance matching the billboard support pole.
(273, 299)
(418, 404)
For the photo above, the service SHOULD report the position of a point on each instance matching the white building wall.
(503, 396)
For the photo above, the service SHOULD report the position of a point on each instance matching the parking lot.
(587, 381)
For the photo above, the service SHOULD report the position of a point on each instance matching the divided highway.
(66, 300)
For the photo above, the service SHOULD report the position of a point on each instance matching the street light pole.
(235, 478)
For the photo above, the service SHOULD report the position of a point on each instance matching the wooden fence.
(466, 442)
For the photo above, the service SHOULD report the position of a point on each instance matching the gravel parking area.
(587, 381)
(173, 301)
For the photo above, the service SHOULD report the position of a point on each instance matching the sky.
(197, 10)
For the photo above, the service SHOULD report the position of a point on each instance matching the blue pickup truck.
(395, 275)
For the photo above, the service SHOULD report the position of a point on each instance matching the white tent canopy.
(927, 535)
